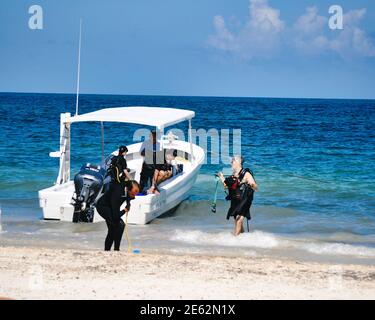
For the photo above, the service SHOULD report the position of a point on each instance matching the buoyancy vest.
(235, 185)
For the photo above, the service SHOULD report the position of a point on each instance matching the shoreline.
(41, 273)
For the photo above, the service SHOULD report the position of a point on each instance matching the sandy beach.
(38, 273)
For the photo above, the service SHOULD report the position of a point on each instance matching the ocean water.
(313, 160)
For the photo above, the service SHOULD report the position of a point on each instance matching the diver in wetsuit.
(241, 187)
(118, 168)
(109, 206)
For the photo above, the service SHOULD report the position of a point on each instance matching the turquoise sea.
(313, 160)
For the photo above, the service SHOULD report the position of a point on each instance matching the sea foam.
(266, 240)
(257, 239)
(339, 249)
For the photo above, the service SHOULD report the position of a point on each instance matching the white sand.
(35, 273)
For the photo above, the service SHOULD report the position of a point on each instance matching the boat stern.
(55, 202)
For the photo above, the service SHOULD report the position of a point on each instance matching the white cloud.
(353, 40)
(312, 35)
(308, 32)
(362, 44)
(259, 37)
(223, 39)
(264, 33)
(264, 18)
(310, 22)
(354, 16)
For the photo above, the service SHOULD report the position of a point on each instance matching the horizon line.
(184, 96)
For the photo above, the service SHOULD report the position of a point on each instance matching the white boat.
(56, 201)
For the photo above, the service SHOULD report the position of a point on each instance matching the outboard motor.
(89, 183)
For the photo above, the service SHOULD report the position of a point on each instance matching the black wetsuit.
(108, 207)
(118, 166)
(241, 196)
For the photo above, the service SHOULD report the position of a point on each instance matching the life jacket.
(235, 185)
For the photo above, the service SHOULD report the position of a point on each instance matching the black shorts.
(159, 167)
(148, 169)
(163, 167)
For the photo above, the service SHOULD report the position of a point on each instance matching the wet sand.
(41, 273)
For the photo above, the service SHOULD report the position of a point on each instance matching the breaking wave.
(265, 240)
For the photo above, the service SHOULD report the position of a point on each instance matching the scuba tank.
(113, 169)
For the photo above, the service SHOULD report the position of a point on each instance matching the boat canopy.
(149, 116)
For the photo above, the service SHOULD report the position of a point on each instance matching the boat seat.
(181, 160)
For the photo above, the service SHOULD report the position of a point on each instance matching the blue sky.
(182, 47)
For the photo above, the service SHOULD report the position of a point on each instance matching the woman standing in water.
(241, 187)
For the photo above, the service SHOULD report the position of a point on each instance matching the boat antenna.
(79, 65)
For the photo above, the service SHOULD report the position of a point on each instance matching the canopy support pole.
(191, 142)
(160, 131)
(102, 132)
(79, 65)
(64, 171)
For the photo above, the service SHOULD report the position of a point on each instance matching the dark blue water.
(313, 159)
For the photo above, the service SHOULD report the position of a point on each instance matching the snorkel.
(213, 205)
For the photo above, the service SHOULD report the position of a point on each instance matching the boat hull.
(56, 201)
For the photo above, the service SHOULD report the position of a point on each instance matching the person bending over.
(109, 207)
